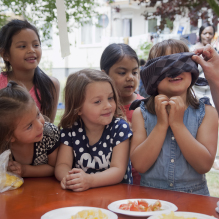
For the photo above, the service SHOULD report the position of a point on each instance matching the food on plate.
(140, 205)
(13, 181)
(90, 214)
(173, 216)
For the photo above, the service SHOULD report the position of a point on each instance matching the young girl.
(94, 148)
(32, 141)
(174, 135)
(21, 50)
(121, 63)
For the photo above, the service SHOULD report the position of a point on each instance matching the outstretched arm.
(210, 65)
(145, 149)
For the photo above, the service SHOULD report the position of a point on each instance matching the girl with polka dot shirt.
(94, 148)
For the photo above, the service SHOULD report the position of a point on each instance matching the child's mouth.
(175, 79)
(106, 114)
(39, 135)
(32, 59)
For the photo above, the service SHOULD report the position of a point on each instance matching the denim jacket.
(171, 170)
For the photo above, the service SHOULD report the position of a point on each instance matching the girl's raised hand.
(77, 180)
(161, 103)
(177, 109)
(15, 167)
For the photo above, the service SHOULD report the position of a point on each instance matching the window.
(152, 26)
(127, 27)
(122, 27)
(91, 33)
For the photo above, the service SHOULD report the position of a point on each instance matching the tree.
(43, 13)
(195, 8)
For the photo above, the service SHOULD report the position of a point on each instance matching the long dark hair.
(14, 101)
(159, 49)
(75, 91)
(114, 53)
(40, 80)
(202, 28)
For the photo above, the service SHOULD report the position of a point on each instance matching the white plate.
(66, 213)
(186, 215)
(166, 207)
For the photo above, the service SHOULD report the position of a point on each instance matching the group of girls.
(170, 138)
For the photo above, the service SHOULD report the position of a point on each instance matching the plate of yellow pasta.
(80, 212)
(182, 215)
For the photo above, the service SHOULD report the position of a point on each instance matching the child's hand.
(63, 183)
(78, 180)
(161, 103)
(177, 109)
(16, 168)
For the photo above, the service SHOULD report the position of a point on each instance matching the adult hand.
(210, 65)
(209, 62)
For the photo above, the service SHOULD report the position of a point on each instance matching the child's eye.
(21, 46)
(111, 98)
(29, 127)
(121, 73)
(97, 102)
(36, 45)
(135, 73)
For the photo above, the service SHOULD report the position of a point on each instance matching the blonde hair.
(75, 91)
(159, 49)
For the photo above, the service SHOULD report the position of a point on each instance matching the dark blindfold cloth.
(171, 66)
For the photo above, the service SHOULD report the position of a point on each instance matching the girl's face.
(175, 86)
(25, 51)
(125, 74)
(29, 127)
(207, 35)
(99, 105)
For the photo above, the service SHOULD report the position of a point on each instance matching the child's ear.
(5, 56)
(12, 139)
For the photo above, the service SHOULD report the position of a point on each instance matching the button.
(172, 160)
(171, 184)
(173, 138)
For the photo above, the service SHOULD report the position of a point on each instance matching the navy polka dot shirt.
(97, 158)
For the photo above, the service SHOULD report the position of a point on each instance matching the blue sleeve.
(202, 102)
(66, 137)
(121, 131)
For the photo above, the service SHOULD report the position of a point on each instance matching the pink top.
(130, 112)
(4, 82)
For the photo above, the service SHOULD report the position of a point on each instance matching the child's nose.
(40, 122)
(31, 49)
(108, 105)
(130, 77)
